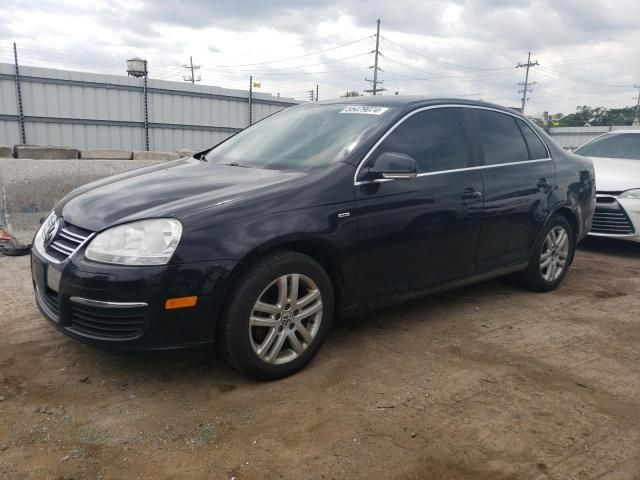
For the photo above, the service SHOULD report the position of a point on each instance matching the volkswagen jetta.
(325, 209)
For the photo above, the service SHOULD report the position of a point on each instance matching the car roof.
(626, 130)
(408, 101)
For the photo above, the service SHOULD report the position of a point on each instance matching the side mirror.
(395, 166)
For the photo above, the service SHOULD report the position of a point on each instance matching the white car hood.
(616, 174)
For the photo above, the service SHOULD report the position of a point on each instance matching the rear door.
(422, 231)
(518, 178)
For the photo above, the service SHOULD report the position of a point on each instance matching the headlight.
(145, 242)
(635, 193)
(46, 225)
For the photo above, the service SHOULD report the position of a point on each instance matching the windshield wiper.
(235, 164)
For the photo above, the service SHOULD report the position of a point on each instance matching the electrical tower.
(190, 66)
(636, 118)
(526, 83)
(374, 83)
(311, 95)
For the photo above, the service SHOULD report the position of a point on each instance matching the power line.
(320, 72)
(303, 66)
(298, 56)
(442, 61)
(448, 80)
(449, 77)
(560, 76)
(596, 57)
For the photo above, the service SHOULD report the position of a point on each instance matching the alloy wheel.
(285, 318)
(555, 252)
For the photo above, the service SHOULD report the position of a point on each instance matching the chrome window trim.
(477, 167)
(103, 304)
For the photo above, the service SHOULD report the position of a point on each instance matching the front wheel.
(552, 254)
(278, 316)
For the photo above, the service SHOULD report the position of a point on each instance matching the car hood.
(616, 174)
(170, 189)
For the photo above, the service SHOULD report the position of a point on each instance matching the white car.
(616, 158)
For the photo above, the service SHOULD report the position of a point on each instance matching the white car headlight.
(144, 242)
(50, 220)
(634, 193)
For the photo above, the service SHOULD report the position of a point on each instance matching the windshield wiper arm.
(235, 164)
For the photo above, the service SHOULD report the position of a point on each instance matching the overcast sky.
(589, 52)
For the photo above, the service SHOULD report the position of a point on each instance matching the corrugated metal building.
(93, 111)
(573, 137)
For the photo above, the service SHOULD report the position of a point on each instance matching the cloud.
(433, 47)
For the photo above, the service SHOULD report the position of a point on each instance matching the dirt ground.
(486, 382)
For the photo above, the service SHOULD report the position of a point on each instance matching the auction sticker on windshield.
(365, 109)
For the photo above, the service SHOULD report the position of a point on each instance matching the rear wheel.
(278, 316)
(552, 254)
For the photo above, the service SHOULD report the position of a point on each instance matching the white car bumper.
(617, 218)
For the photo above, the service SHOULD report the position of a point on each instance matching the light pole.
(137, 67)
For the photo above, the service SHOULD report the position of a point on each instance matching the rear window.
(501, 139)
(537, 149)
(615, 145)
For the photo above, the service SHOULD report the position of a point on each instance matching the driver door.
(418, 232)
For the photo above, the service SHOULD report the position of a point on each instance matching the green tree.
(351, 93)
(595, 116)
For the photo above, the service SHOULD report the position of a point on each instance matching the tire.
(540, 277)
(256, 323)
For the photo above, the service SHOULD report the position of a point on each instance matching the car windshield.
(306, 137)
(617, 145)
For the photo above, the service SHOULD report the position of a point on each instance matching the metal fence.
(93, 111)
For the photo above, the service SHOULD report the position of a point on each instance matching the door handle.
(543, 184)
(470, 194)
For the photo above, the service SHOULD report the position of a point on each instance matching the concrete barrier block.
(45, 152)
(6, 151)
(30, 188)
(164, 156)
(183, 152)
(106, 154)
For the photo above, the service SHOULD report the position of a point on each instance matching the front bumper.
(616, 217)
(123, 307)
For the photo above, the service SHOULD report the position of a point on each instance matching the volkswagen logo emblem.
(51, 230)
(286, 317)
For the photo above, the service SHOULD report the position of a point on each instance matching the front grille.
(107, 323)
(610, 218)
(68, 239)
(49, 302)
(614, 193)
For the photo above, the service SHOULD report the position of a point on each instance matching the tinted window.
(618, 145)
(537, 150)
(436, 139)
(500, 137)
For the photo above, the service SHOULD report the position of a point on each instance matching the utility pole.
(250, 100)
(190, 66)
(317, 88)
(526, 84)
(374, 88)
(145, 92)
(636, 118)
(23, 137)
(311, 95)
